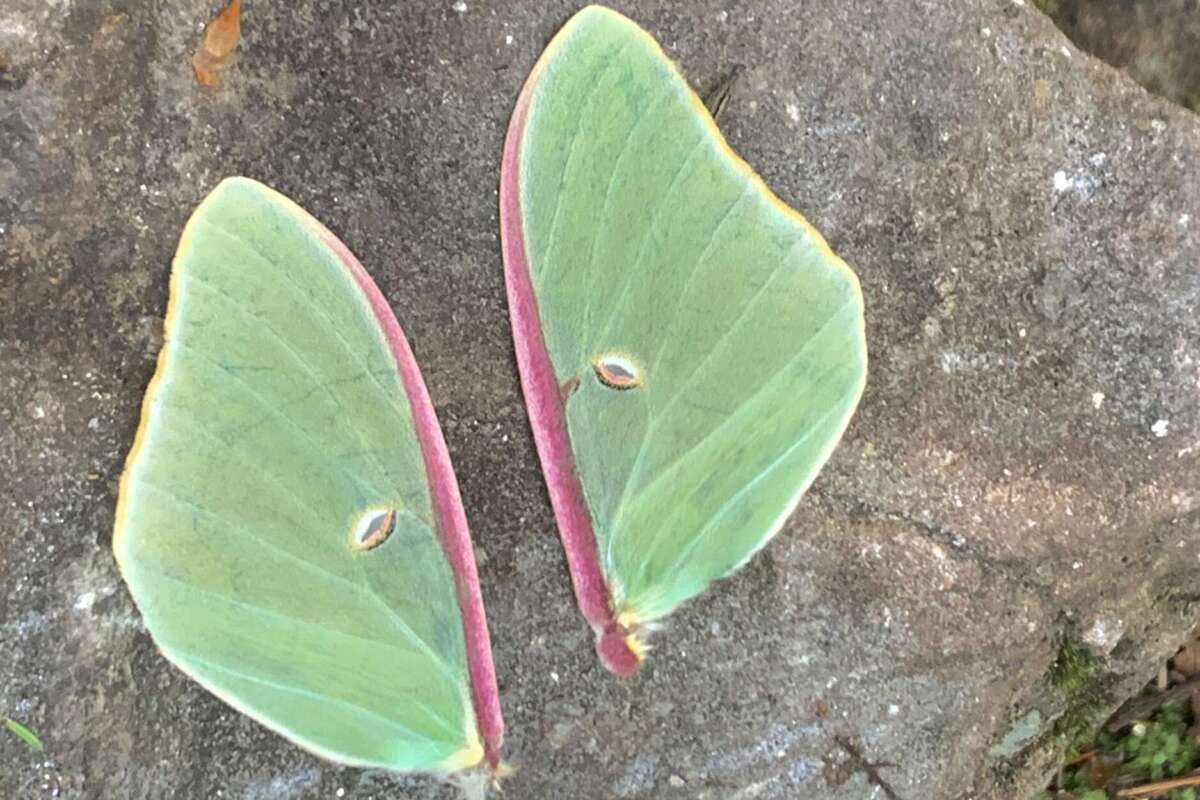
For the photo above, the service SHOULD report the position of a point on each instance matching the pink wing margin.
(547, 415)
(448, 508)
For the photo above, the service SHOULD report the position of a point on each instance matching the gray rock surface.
(1021, 481)
(1157, 43)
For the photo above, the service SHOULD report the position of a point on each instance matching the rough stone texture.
(1157, 43)
(1023, 469)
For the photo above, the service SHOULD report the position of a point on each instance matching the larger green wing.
(288, 523)
(708, 346)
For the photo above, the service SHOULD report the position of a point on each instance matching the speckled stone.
(1026, 224)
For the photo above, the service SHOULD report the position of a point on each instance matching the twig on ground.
(1160, 787)
(859, 762)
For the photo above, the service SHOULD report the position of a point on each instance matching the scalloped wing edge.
(485, 740)
(618, 643)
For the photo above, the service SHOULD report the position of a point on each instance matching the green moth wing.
(288, 522)
(690, 348)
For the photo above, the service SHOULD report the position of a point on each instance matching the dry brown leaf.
(1103, 769)
(220, 38)
(1187, 660)
(206, 71)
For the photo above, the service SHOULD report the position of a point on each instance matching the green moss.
(1078, 675)
(1047, 7)
(1155, 750)
(1075, 665)
(1074, 692)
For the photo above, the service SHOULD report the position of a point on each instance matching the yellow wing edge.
(467, 757)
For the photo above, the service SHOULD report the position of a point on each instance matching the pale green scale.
(277, 421)
(648, 238)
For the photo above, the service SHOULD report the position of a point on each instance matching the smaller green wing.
(690, 348)
(288, 522)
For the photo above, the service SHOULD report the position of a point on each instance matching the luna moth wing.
(289, 523)
(690, 348)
